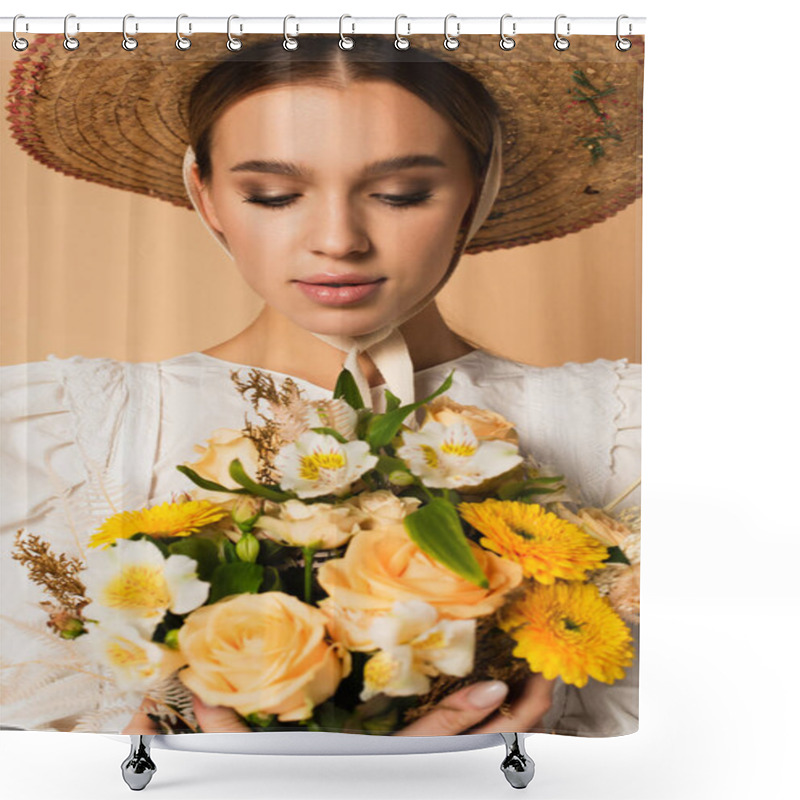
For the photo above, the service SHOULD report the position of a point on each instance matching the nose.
(337, 230)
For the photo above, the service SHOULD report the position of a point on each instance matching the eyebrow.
(278, 167)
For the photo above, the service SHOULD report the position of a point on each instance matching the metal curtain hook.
(451, 42)
(70, 43)
(18, 44)
(560, 43)
(289, 42)
(623, 44)
(233, 44)
(345, 42)
(128, 42)
(182, 43)
(506, 42)
(400, 42)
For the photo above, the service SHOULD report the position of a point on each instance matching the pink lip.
(339, 295)
(343, 277)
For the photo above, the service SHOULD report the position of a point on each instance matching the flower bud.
(171, 639)
(400, 477)
(72, 629)
(247, 547)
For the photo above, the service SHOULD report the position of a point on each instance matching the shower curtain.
(224, 506)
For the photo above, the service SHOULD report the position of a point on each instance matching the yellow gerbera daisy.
(168, 519)
(546, 546)
(569, 629)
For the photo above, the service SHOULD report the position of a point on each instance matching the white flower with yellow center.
(451, 456)
(414, 648)
(136, 663)
(132, 582)
(318, 464)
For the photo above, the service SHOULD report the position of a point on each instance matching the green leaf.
(509, 491)
(384, 427)
(392, 400)
(347, 388)
(206, 484)
(229, 551)
(204, 551)
(537, 490)
(239, 577)
(436, 530)
(331, 432)
(616, 556)
(238, 473)
(388, 464)
(271, 581)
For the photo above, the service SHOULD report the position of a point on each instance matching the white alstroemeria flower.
(451, 456)
(133, 582)
(135, 662)
(318, 464)
(415, 647)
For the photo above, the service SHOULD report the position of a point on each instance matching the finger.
(459, 711)
(140, 723)
(526, 711)
(218, 719)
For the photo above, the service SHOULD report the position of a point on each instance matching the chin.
(347, 327)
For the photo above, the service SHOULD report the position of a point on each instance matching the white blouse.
(83, 438)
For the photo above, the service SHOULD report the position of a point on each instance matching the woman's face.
(313, 185)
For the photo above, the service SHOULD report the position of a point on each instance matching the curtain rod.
(407, 25)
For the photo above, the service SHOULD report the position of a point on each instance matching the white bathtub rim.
(317, 743)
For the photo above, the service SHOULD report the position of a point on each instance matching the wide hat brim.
(572, 120)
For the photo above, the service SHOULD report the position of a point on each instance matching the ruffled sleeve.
(626, 434)
(584, 421)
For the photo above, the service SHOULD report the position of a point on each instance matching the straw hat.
(570, 150)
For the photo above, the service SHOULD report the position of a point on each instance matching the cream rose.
(485, 424)
(384, 566)
(264, 653)
(320, 525)
(383, 507)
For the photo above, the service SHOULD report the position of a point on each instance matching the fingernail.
(486, 694)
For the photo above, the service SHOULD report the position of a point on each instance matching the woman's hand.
(457, 713)
(210, 719)
(465, 708)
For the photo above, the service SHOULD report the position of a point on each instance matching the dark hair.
(456, 95)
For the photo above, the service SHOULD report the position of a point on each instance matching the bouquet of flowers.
(338, 569)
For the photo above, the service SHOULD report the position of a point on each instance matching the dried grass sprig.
(57, 574)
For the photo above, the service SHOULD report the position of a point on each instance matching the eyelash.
(397, 201)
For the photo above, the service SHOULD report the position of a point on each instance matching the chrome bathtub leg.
(138, 767)
(517, 766)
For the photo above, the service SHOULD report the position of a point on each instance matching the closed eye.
(393, 200)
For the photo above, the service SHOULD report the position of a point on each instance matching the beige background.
(96, 271)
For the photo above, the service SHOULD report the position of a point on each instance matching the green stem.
(308, 558)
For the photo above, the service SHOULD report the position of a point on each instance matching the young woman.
(345, 189)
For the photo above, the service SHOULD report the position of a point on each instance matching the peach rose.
(385, 566)
(224, 445)
(485, 424)
(264, 653)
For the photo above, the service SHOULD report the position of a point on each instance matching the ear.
(204, 202)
